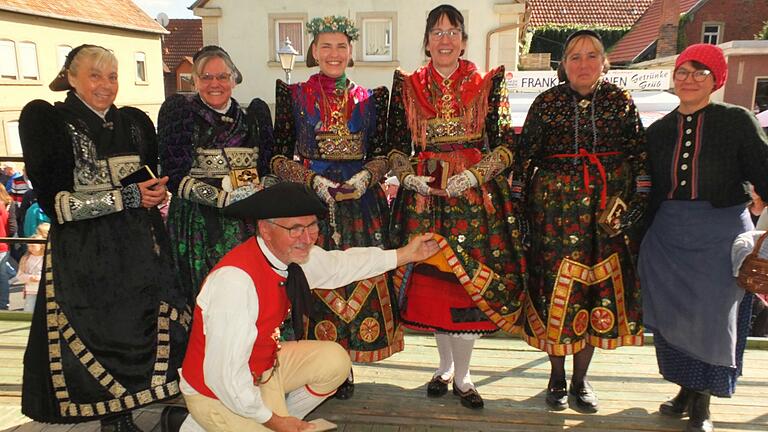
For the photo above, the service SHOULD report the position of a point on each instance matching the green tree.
(763, 35)
(551, 39)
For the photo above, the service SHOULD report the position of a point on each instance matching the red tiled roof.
(110, 13)
(643, 33)
(602, 13)
(184, 40)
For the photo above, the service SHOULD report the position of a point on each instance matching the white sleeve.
(744, 245)
(333, 269)
(230, 307)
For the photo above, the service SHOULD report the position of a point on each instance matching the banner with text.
(629, 79)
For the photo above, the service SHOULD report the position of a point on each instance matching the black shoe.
(119, 423)
(678, 405)
(698, 411)
(470, 398)
(172, 418)
(557, 397)
(437, 386)
(345, 390)
(584, 398)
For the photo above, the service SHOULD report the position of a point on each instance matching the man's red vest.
(273, 306)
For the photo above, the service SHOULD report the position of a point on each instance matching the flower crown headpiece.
(333, 24)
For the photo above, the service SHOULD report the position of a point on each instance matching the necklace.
(444, 99)
(577, 107)
(336, 119)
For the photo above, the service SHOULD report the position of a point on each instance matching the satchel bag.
(753, 274)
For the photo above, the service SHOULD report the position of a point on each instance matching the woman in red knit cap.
(701, 156)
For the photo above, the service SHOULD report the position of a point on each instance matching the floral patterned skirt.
(481, 260)
(583, 286)
(200, 236)
(362, 315)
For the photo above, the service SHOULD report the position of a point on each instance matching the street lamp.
(287, 56)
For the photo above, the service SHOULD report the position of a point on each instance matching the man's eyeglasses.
(297, 231)
(222, 77)
(699, 75)
(452, 34)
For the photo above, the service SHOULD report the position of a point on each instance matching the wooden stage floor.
(510, 375)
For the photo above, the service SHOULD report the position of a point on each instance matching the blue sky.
(174, 8)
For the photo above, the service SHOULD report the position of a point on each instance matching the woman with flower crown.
(330, 135)
(457, 122)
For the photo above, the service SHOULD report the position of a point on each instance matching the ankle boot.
(678, 405)
(119, 423)
(347, 388)
(698, 412)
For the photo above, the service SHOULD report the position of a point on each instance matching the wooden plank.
(146, 419)
(390, 395)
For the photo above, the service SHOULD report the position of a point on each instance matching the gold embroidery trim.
(58, 327)
(333, 146)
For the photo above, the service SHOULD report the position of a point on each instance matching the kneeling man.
(236, 373)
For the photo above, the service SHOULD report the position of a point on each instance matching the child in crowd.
(31, 267)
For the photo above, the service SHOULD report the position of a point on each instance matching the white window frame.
(28, 64)
(12, 64)
(139, 57)
(188, 77)
(12, 137)
(361, 58)
(364, 40)
(277, 43)
(61, 54)
(761, 79)
(706, 36)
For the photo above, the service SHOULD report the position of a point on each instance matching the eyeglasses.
(298, 230)
(452, 34)
(699, 75)
(222, 77)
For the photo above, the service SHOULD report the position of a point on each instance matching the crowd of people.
(287, 255)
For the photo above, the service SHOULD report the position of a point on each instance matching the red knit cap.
(710, 56)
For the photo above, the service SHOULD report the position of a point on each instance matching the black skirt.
(107, 335)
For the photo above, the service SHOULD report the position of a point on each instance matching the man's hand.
(419, 248)
(153, 192)
(287, 424)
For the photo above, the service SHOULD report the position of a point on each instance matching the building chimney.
(670, 16)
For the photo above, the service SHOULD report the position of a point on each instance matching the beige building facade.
(34, 44)
(391, 35)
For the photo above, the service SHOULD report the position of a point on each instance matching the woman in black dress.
(109, 326)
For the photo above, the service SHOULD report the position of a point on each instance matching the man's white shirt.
(230, 307)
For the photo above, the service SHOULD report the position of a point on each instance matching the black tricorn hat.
(61, 82)
(285, 199)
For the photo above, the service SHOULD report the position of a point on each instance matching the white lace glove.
(240, 193)
(459, 183)
(321, 185)
(417, 183)
(360, 182)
